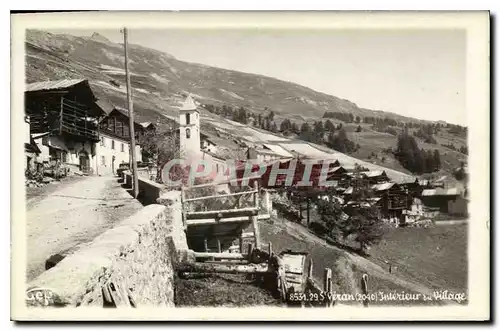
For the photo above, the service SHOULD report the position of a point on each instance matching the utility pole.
(130, 107)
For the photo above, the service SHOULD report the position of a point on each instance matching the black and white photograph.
(164, 162)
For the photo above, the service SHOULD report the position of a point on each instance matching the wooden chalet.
(394, 198)
(66, 112)
(441, 198)
(340, 175)
(375, 177)
(413, 187)
(66, 108)
(116, 124)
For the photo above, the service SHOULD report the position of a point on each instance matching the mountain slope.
(162, 74)
(160, 82)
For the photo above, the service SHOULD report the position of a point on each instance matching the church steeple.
(189, 122)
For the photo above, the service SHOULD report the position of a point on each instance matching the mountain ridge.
(303, 100)
(160, 83)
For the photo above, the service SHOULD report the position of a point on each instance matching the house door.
(84, 162)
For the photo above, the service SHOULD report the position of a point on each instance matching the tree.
(306, 132)
(329, 126)
(274, 127)
(359, 129)
(460, 173)
(318, 132)
(270, 116)
(437, 160)
(161, 146)
(364, 224)
(358, 119)
(330, 140)
(429, 161)
(286, 125)
(259, 120)
(241, 116)
(331, 215)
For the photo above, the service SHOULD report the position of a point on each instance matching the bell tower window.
(188, 118)
(188, 133)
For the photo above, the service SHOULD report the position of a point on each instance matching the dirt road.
(72, 216)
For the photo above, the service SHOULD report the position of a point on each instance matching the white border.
(478, 111)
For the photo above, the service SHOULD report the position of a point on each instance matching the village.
(72, 133)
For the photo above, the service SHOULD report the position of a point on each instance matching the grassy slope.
(435, 257)
(422, 259)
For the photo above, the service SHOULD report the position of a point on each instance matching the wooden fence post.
(249, 253)
(308, 213)
(183, 207)
(241, 242)
(255, 218)
(310, 270)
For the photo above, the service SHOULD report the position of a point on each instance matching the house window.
(112, 144)
(217, 167)
(188, 133)
(103, 141)
(103, 160)
(188, 118)
(123, 147)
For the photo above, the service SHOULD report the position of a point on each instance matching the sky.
(416, 73)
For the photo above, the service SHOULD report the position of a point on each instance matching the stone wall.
(149, 191)
(143, 172)
(136, 255)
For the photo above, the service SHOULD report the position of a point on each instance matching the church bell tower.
(189, 131)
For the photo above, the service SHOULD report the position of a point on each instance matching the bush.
(318, 228)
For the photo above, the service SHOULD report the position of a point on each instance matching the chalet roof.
(410, 181)
(267, 152)
(53, 85)
(218, 141)
(383, 186)
(440, 179)
(349, 190)
(145, 124)
(376, 173)
(277, 149)
(370, 201)
(105, 105)
(189, 104)
(423, 182)
(124, 112)
(440, 192)
(36, 136)
(215, 155)
(333, 170)
(225, 154)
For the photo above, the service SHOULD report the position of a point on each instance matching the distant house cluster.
(393, 197)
